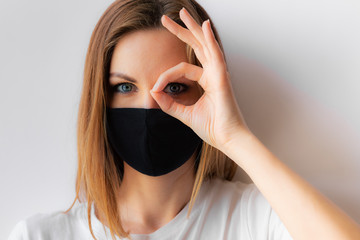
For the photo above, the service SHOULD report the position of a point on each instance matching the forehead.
(148, 52)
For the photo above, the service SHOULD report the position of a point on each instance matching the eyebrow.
(123, 75)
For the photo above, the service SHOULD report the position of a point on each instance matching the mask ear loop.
(199, 151)
(197, 159)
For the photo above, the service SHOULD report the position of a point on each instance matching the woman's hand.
(215, 117)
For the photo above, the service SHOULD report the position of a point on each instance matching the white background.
(295, 68)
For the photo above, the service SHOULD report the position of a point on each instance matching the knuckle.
(183, 65)
(196, 48)
(178, 33)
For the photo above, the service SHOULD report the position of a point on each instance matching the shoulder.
(247, 195)
(247, 208)
(227, 190)
(54, 225)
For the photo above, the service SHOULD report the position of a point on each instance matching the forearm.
(305, 212)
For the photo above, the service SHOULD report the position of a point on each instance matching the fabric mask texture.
(150, 140)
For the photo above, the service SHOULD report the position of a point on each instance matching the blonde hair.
(98, 175)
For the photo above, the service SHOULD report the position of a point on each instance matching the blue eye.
(123, 87)
(175, 88)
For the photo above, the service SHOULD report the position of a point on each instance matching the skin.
(146, 203)
(217, 119)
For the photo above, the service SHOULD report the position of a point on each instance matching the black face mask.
(150, 140)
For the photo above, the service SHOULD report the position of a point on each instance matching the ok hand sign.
(215, 117)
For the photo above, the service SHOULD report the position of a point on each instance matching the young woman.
(160, 136)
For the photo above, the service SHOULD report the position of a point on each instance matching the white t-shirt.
(223, 210)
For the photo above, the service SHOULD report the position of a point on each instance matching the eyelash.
(115, 87)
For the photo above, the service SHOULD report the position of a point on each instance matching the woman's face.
(142, 56)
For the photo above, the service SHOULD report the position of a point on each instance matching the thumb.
(168, 105)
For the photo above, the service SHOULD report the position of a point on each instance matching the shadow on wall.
(309, 138)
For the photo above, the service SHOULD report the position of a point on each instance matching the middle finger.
(185, 35)
(193, 26)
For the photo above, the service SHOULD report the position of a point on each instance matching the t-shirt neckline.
(102, 232)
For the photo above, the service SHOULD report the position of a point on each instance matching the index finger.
(185, 35)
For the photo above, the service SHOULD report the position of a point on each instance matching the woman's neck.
(146, 203)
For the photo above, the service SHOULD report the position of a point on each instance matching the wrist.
(239, 144)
